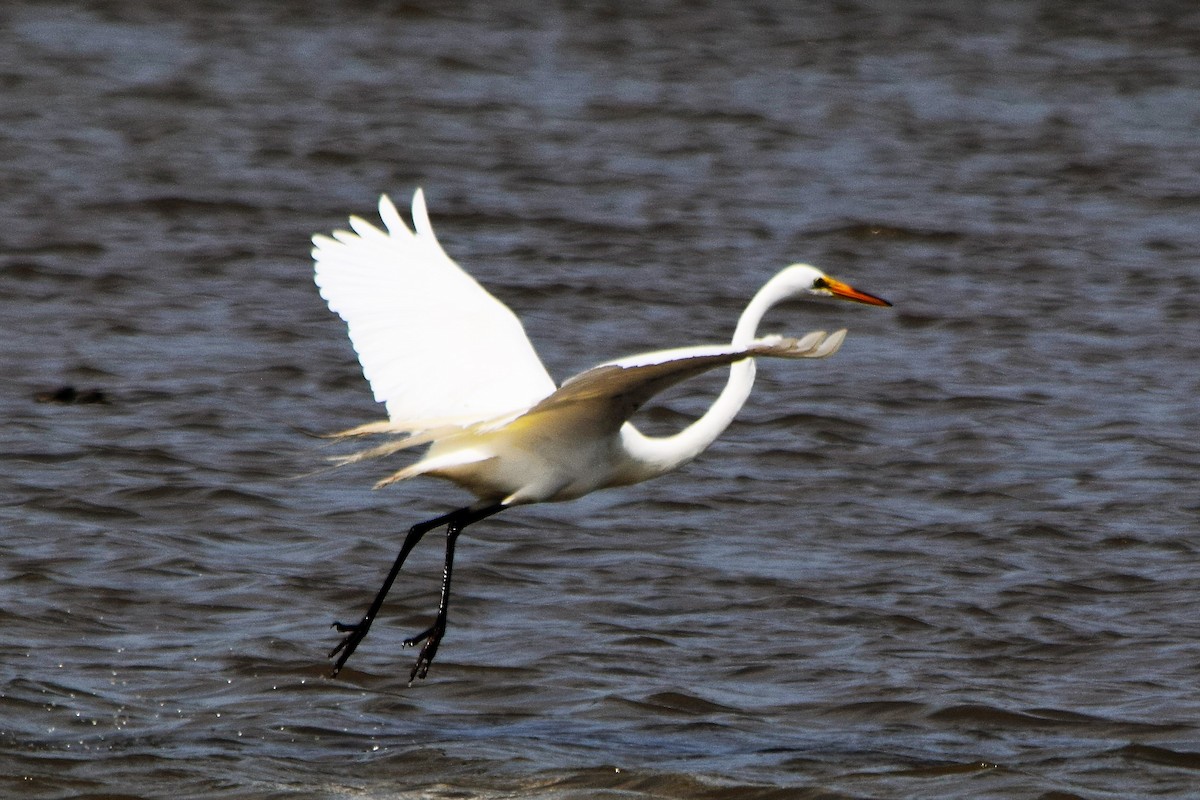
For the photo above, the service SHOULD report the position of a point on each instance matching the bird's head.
(806, 278)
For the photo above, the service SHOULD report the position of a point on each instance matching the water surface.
(958, 559)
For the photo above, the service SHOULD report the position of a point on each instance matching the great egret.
(456, 371)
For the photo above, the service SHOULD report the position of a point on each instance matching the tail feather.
(446, 461)
(385, 449)
(368, 429)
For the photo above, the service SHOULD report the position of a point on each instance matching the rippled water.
(958, 559)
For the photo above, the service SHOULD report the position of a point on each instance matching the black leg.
(434, 633)
(358, 631)
(455, 522)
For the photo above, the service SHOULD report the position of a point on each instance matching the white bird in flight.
(455, 370)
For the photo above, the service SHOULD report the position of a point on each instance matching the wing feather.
(434, 345)
(630, 382)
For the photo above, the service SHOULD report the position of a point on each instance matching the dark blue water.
(957, 559)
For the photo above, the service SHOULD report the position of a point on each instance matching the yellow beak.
(848, 292)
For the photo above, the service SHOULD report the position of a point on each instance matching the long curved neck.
(663, 454)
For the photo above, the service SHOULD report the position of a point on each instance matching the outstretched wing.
(435, 346)
(630, 382)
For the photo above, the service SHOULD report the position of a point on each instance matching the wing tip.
(814, 344)
(391, 217)
(831, 344)
(420, 215)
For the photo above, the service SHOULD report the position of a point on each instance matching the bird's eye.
(820, 283)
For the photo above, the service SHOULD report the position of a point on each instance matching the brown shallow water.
(958, 559)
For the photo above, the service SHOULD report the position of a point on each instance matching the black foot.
(432, 637)
(355, 634)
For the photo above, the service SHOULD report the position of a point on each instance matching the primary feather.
(435, 346)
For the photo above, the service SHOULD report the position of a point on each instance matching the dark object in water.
(69, 394)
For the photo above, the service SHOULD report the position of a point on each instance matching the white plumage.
(455, 370)
(434, 344)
